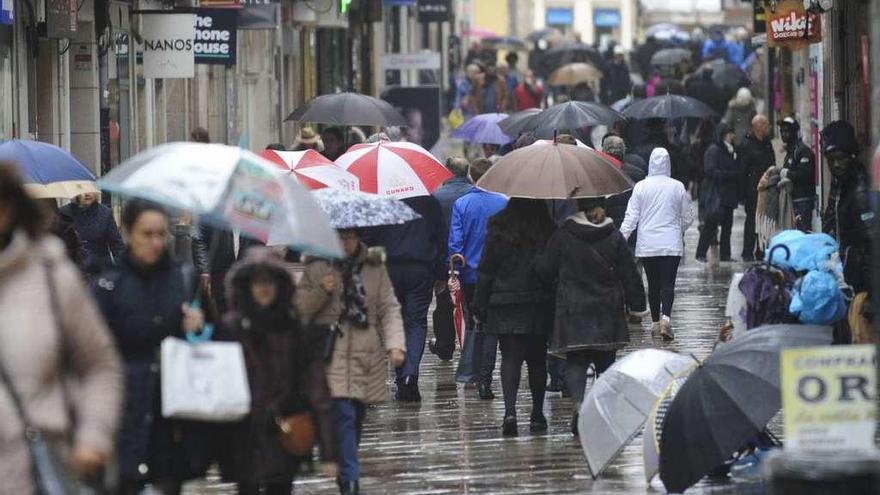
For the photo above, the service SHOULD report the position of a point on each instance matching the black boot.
(348, 487)
(414, 394)
(574, 425)
(485, 392)
(537, 423)
(508, 427)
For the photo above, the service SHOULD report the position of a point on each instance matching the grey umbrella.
(348, 109)
(668, 107)
(670, 56)
(350, 209)
(517, 123)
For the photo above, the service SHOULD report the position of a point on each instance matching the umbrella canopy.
(555, 171)
(654, 425)
(47, 170)
(228, 187)
(517, 123)
(566, 54)
(670, 56)
(355, 209)
(348, 109)
(579, 143)
(666, 31)
(398, 169)
(511, 43)
(727, 400)
(483, 129)
(572, 115)
(574, 74)
(729, 77)
(668, 107)
(312, 169)
(618, 403)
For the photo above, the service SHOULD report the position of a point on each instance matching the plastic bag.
(806, 251)
(817, 299)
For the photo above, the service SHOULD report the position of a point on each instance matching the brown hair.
(479, 168)
(593, 208)
(27, 213)
(566, 139)
(200, 135)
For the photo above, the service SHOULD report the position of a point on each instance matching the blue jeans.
(414, 288)
(349, 423)
(803, 214)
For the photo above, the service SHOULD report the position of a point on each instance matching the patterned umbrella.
(398, 169)
(459, 317)
(350, 210)
(312, 170)
(483, 129)
(47, 170)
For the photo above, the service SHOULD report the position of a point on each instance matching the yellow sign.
(829, 398)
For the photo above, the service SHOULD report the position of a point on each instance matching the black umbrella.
(566, 54)
(348, 109)
(668, 107)
(727, 401)
(572, 115)
(516, 124)
(670, 56)
(729, 77)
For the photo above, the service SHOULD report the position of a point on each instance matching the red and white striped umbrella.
(397, 169)
(312, 170)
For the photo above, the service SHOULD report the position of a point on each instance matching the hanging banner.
(791, 26)
(829, 398)
(169, 41)
(215, 36)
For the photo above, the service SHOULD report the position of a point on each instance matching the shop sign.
(608, 18)
(215, 40)
(435, 10)
(169, 42)
(790, 26)
(405, 61)
(7, 9)
(829, 398)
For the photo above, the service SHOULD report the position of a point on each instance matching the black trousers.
(750, 237)
(516, 349)
(661, 272)
(723, 219)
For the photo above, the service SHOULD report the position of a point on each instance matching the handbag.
(297, 434)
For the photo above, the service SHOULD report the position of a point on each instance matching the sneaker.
(508, 427)
(655, 329)
(666, 329)
(748, 467)
(537, 423)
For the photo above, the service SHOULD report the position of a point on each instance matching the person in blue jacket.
(467, 236)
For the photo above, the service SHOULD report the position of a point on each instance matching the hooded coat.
(660, 209)
(97, 230)
(740, 111)
(722, 176)
(596, 279)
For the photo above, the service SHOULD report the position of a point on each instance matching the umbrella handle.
(773, 250)
(453, 259)
(207, 330)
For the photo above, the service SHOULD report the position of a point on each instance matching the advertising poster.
(215, 36)
(420, 106)
(828, 398)
(169, 42)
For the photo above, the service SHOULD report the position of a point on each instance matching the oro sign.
(215, 36)
(829, 398)
(791, 26)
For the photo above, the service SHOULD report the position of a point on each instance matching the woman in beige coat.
(58, 355)
(355, 294)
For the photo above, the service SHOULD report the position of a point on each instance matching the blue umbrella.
(47, 170)
(483, 129)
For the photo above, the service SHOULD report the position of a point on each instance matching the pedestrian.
(703, 137)
(443, 344)
(52, 339)
(513, 304)
(490, 94)
(61, 226)
(513, 76)
(848, 215)
(96, 227)
(144, 300)
(740, 112)
(722, 180)
(354, 295)
(467, 236)
(615, 147)
(660, 209)
(529, 93)
(286, 377)
(799, 166)
(595, 277)
(465, 97)
(756, 156)
(617, 82)
(308, 140)
(333, 139)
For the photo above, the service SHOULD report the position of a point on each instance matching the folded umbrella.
(574, 74)
(348, 109)
(483, 129)
(670, 56)
(47, 170)
(555, 171)
(456, 294)
(727, 401)
(312, 169)
(517, 123)
(618, 403)
(355, 209)
(228, 187)
(668, 107)
(398, 169)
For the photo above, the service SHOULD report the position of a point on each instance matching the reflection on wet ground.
(452, 443)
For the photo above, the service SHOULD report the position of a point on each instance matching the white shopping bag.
(204, 381)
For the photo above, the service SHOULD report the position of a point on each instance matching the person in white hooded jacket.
(660, 209)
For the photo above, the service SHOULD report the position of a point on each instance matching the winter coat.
(467, 229)
(722, 177)
(849, 218)
(63, 365)
(740, 112)
(596, 279)
(450, 191)
(616, 205)
(480, 91)
(756, 157)
(660, 209)
(800, 165)
(285, 373)
(142, 306)
(510, 298)
(188, 247)
(98, 232)
(617, 82)
(359, 368)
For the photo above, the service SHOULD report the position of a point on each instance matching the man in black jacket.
(848, 216)
(799, 167)
(756, 156)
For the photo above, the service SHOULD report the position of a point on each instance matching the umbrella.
(47, 170)
(574, 74)
(579, 143)
(670, 56)
(507, 42)
(459, 317)
(398, 169)
(348, 109)
(619, 402)
(516, 124)
(541, 34)
(312, 169)
(355, 209)
(668, 107)
(727, 401)
(654, 425)
(665, 31)
(555, 171)
(572, 115)
(729, 77)
(483, 129)
(566, 54)
(230, 188)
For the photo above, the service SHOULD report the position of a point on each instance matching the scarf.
(354, 294)
(774, 212)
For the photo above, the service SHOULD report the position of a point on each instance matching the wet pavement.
(452, 443)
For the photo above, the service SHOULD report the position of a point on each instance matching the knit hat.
(839, 136)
